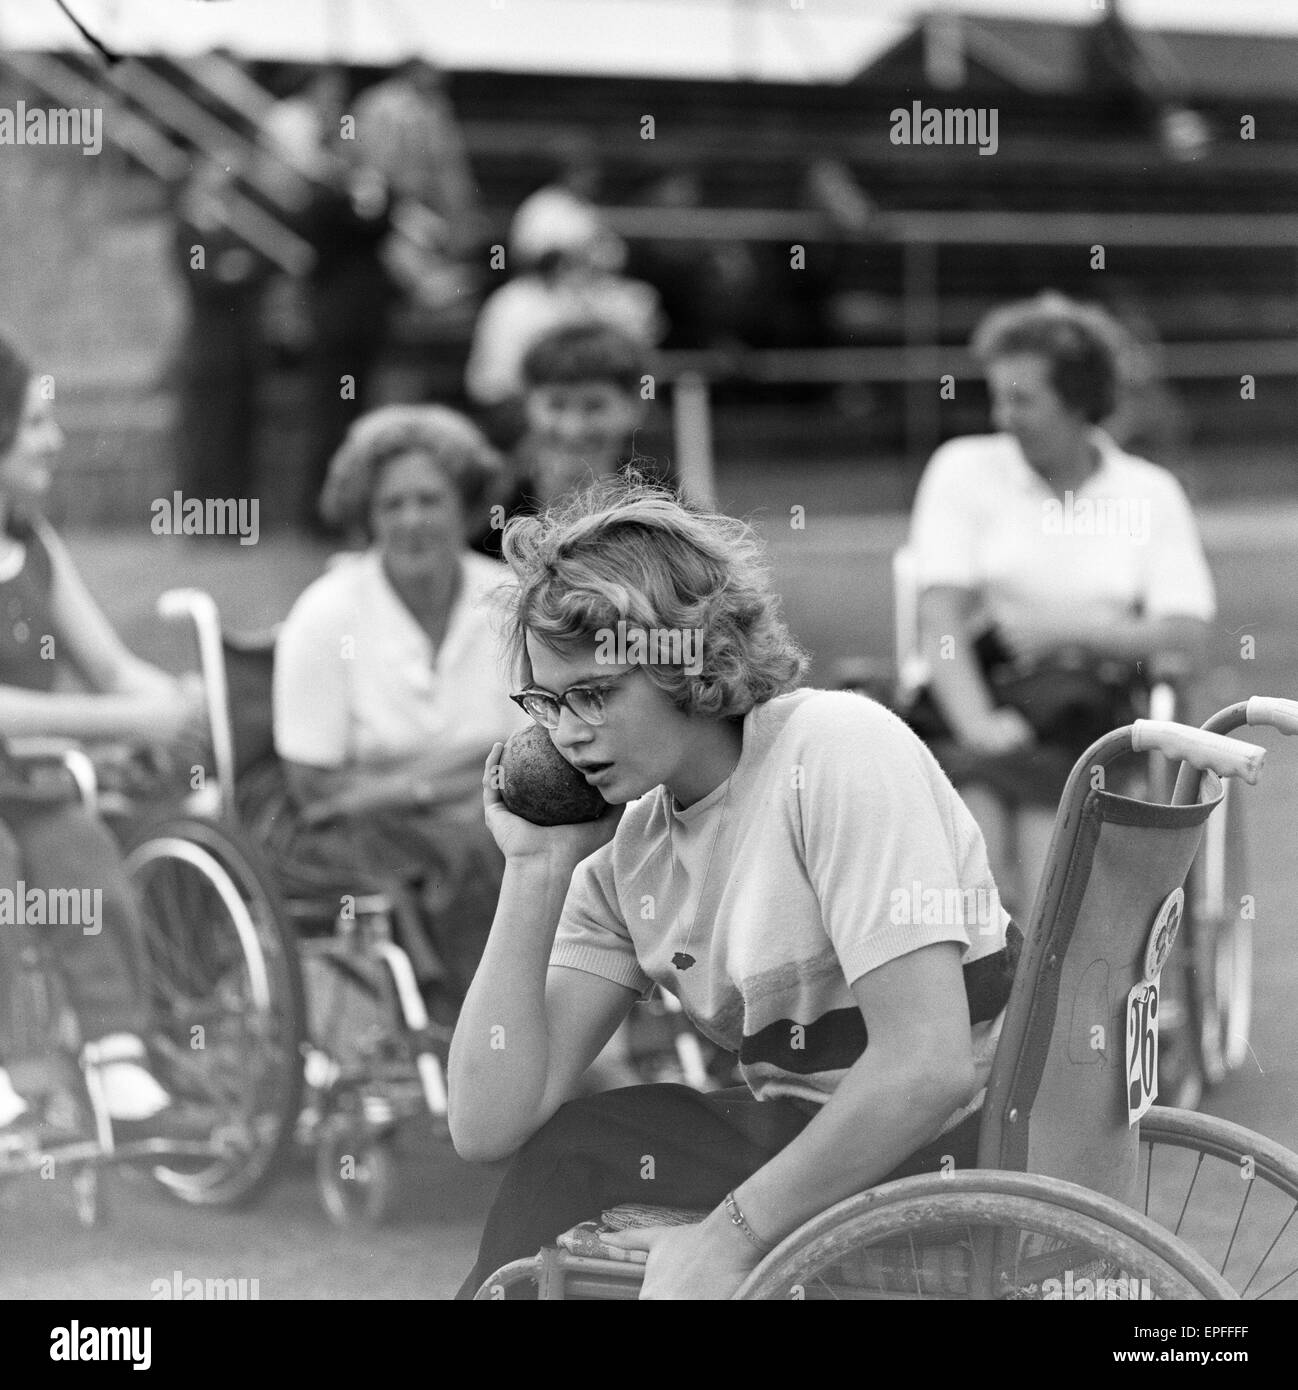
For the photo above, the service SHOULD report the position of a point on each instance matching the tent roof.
(826, 41)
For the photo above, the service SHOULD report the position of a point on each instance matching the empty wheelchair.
(1083, 1189)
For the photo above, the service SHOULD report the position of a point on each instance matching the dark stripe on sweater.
(836, 1039)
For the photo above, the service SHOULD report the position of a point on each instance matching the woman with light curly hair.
(790, 863)
(388, 685)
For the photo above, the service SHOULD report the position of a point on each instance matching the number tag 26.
(1142, 1009)
(1142, 1048)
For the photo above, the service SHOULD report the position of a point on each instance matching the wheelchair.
(1209, 985)
(220, 983)
(1083, 1188)
(370, 1057)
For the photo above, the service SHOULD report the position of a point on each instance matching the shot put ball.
(539, 785)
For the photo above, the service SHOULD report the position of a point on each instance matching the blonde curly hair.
(629, 550)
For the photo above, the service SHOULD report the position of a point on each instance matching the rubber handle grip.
(1227, 757)
(1268, 709)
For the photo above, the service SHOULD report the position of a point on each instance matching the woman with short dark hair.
(1050, 563)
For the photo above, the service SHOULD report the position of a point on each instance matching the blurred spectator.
(569, 262)
(1140, 84)
(344, 212)
(220, 353)
(1047, 630)
(407, 131)
(389, 692)
(577, 179)
(301, 129)
(582, 404)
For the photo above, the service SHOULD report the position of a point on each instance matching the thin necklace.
(682, 960)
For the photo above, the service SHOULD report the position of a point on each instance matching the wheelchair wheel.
(224, 985)
(356, 1172)
(1220, 944)
(982, 1234)
(1228, 1193)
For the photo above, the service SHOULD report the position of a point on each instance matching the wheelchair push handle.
(185, 603)
(1270, 710)
(1227, 757)
(200, 608)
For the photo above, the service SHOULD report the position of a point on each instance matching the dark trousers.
(441, 868)
(63, 846)
(662, 1144)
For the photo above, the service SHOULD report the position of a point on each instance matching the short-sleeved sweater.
(836, 845)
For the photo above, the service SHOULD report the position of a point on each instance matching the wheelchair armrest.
(36, 749)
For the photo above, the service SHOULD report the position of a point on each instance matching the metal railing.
(920, 360)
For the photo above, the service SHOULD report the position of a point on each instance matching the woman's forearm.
(881, 1112)
(958, 685)
(352, 791)
(499, 1061)
(136, 677)
(1179, 640)
(35, 713)
(955, 677)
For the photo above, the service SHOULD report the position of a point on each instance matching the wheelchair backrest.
(1057, 1101)
(249, 676)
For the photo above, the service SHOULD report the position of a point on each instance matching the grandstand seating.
(751, 145)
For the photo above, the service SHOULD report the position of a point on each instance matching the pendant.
(682, 961)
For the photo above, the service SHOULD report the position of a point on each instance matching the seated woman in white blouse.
(1046, 546)
(388, 688)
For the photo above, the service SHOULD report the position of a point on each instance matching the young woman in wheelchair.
(387, 693)
(763, 860)
(65, 674)
(1057, 576)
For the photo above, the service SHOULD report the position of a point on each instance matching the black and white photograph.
(648, 651)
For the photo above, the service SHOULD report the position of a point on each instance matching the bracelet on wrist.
(737, 1218)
